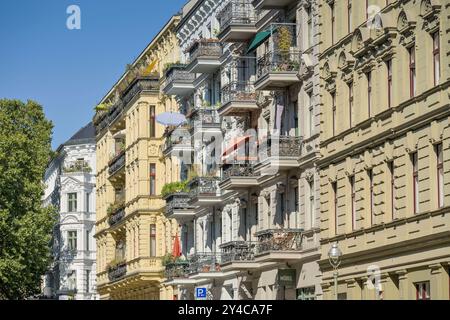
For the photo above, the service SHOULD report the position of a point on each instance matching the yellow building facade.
(385, 147)
(133, 234)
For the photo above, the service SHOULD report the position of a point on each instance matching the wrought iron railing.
(279, 240)
(117, 163)
(204, 117)
(177, 73)
(279, 62)
(239, 92)
(116, 216)
(205, 48)
(203, 186)
(238, 251)
(179, 137)
(237, 12)
(238, 170)
(179, 269)
(281, 146)
(205, 262)
(118, 271)
(176, 201)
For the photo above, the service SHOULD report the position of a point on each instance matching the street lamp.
(334, 255)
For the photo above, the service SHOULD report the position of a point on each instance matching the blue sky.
(69, 71)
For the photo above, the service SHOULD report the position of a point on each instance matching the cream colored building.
(385, 170)
(132, 233)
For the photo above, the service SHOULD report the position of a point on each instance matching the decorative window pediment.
(429, 11)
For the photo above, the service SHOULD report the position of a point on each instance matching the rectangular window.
(152, 122)
(422, 290)
(297, 132)
(349, 16)
(88, 236)
(153, 240)
(88, 195)
(312, 203)
(350, 103)
(72, 202)
(88, 277)
(310, 114)
(412, 71)
(333, 22)
(367, 10)
(440, 174)
(372, 196)
(369, 93)
(72, 240)
(282, 206)
(389, 81)
(296, 201)
(333, 105)
(353, 196)
(436, 58)
(415, 164)
(335, 206)
(152, 179)
(391, 169)
(306, 293)
(72, 280)
(310, 26)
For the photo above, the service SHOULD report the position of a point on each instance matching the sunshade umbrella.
(176, 251)
(170, 118)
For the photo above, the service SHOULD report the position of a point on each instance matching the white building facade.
(70, 187)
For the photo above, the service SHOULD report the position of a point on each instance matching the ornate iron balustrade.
(279, 240)
(177, 72)
(203, 186)
(282, 146)
(205, 262)
(117, 272)
(239, 92)
(237, 12)
(101, 123)
(176, 201)
(178, 269)
(238, 251)
(78, 166)
(238, 170)
(117, 163)
(116, 216)
(139, 85)
(205, 48)
(179, 137)
(278, 61)
(204, 117)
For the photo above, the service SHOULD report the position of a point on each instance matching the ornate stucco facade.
(385, 196)
(132, 233)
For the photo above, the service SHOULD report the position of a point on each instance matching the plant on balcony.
(115, 263)
(284, 39)
(102, 107)
(174, 187)
(169, 65)
(170, 259)
(116, 206)
(78, 166)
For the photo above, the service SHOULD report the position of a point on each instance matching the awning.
(258, 39)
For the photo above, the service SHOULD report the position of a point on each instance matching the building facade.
(133, 235)
(385, 196)
(70, 187)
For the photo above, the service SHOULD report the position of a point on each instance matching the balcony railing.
(177, 79)
(178, 269)
(279, 240)
(238, 170)
(205, 262)
(78, 166)
(177, 201)
(116, 216)
(117, 163)
(278, 62)
(118, 271)
(238, 251)
(237, 12)
(238, 92)
(282, 146)
(203, 186)
(207, 48)
(178, 137)
(207, 117)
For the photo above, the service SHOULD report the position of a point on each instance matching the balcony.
(277, 70)
(279, 244)
(237, 21)
(117, 272)
(78, 166)
(116, 214)
(238, 98)
(177, 206)
(117, 163)
(281, 152)
(238, 255)
(178, 81)
(235, 176)
(204, 56)
(179, 269)
(204, 120)
(205, 265)
(271, 4)
(101, 121)
(204, 191)
(178, 143)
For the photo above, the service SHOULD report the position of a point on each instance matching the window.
(391, 171)
(88, 236)
(389, 81)
(312, 205)
(297, 133)
(350, 103)
(88, 195)
(372, 196)
(422, 290)
(306, 293)
(333, 104)
(369, 93)
(296, 201)
(152, 122)
(310, 114)
(72, 280)
(440, 174)
(152, 179)
(72, 202)
(367, 9)
(412, 71)
(353, 197)
(436, 58)
(282, 207)
(349, 15)
(335, 206)
(415, 164)
(72, 240)
(153, 240)
(333, 22)
(310, 26)
(88, 277)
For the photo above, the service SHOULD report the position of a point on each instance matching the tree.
(25, 225)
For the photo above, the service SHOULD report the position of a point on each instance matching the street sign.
(200, 293)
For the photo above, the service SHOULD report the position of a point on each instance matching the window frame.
(436, 57)
(152, 178)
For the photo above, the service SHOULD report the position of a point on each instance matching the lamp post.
(334, 255)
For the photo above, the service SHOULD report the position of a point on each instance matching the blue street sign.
(200, 293)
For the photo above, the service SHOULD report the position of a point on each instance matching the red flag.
(176, 250)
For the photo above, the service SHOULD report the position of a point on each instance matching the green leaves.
(174, 187)
(25, 226)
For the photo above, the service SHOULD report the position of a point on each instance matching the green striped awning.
(258, 39)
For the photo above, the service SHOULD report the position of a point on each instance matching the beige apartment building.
(132, 233)
(385, 146)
